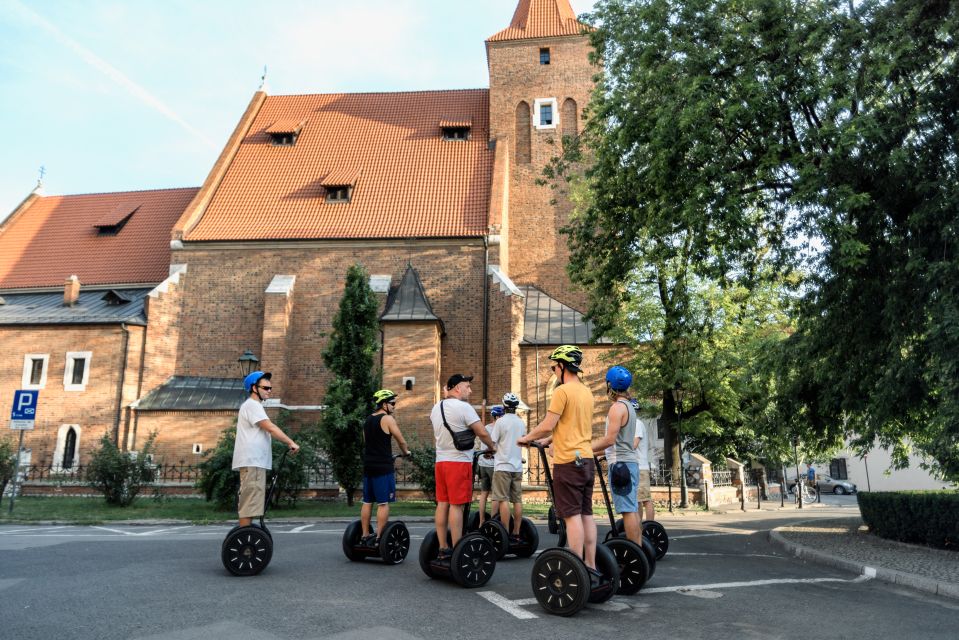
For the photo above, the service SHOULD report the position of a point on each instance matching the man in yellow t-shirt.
(569, 426)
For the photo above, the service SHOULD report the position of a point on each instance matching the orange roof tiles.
(287, 125)
(414, 183)
(541, 19)
(455, 123)
(117, 215)
(340, 178)
(54, 237)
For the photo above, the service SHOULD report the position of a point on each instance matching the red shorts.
(454, 482)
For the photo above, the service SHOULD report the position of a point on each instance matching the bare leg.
(246, 522)
(440, 518)
(456, 522)
(650, 510)
(382, 516)
(589, 541)
(517, 517)
(504, 513)
(574, 534)
(484, 496)
(365, 512)
(634, 529)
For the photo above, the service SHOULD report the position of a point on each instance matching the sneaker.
(595, 578)
(368, 541)
(444, 556)
(515, 540)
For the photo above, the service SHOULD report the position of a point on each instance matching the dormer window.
(456, 128)
(113, 222)
(284, 133)
(339, 193)
(339, 185)
(544, 55)
(115, 299)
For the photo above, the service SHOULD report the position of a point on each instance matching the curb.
(911, 580)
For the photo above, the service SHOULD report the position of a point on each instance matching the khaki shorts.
(644, 494)
(252, 492)
(508, 485)
(486, 477)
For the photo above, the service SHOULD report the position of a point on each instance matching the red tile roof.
(541, 19)
(412, 182)
(340, 178)
(455, 123)
(288, 125)
(53, 237)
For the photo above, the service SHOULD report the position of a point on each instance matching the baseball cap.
(457, 378)
(620, 479)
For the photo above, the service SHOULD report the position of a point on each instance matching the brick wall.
(538, 252)
(94, 409)
(413, 350)
(177, 431)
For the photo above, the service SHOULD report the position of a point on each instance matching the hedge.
(919, 517)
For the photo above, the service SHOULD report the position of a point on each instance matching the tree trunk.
(349, 495)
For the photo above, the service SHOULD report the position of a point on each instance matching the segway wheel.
(632, 563)
(429, 549)
(650, 551)
(560, 582)
(496, 533)
(473, 561)
(473, 523)
(395, 543)
(509, 527)
(620, 527)
(606, 565)
(246, 551)
(351, 538)
(530, 536)
(552, 521)
(658, 536)
(561, 541)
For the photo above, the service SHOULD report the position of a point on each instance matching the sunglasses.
(392, 404)
(266, 388)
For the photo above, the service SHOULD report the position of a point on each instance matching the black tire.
(530, 536)
(656, 533)
(496, 533)
(620, 528)
(839, 491)
(509, 527)
(561, 541)
(429, 549)
(473, 561)
(472, 524)
(632, 563)
(552, 522)
(351, 537)
(606, 564)
(560, 582)
(246, 551)
(650, 552)
(394, 543)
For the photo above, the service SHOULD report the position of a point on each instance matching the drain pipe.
(485, 322)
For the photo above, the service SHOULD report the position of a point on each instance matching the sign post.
(22, 418)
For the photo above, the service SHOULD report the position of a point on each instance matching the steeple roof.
(408, 302)
(541, 19)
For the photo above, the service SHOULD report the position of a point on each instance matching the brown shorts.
(508, 485)
(485, 477)
(252, 492)
(573, 488)
(644, 494)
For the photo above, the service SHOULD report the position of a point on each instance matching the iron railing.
(722, 478)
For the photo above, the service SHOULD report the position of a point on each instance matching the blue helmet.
(496, 411)
(619, 378)
(253, 378)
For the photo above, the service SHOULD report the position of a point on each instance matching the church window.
(545, 113)
(522, 134)
(544, 55)
(69, 449)
(34, 371)
(569, 118)
(76, 374)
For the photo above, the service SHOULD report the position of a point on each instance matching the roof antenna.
(39, 188)
(263, 86)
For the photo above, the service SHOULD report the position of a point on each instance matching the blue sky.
(113, 96)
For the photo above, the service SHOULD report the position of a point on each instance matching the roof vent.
(110, 224)
(456, 128)
(339, 184)
(283, 133)
(114, 298)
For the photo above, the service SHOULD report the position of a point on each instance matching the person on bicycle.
(485, 466)
(568, 425)
(620, 446)
(379, 472)
(253, 450)
(508, 475)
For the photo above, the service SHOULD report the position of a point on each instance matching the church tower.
(540, 81)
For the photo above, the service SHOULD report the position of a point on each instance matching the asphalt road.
(721, 579)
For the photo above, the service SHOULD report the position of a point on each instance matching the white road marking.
(610, 605)
(19, 531)
(302, 528)
(736, 555)
(150, 533)
(509, 606)
(121, 532)
(710, 535)
(751, 583)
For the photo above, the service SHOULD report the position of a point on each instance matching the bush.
(8, 460)
(118, 474)
(221, 484)
(919, 517)
(422, 461)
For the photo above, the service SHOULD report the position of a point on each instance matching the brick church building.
(435, 193)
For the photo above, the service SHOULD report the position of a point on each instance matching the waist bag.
(462, 440)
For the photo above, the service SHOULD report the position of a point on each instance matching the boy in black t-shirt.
(379, 474)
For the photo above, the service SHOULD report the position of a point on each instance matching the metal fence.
(722, 478)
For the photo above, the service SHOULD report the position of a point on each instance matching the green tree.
(738, 140)
(350, 357)
(8, 462)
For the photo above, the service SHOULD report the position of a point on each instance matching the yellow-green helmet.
(383, 395)
(570, 355)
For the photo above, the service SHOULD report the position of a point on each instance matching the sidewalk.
(846, 543)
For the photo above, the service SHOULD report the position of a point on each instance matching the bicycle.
(804, 492)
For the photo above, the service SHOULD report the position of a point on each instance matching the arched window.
(523, 153)
(568, 118)
(69, 449)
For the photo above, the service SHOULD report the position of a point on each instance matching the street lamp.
(248, 362)
(678, 394)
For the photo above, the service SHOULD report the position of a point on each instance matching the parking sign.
(24, 412)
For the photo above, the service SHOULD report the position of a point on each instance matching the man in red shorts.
(454, 468)
(569, 426)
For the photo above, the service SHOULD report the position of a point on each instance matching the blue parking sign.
(24, 411)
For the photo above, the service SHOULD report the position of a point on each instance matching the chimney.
(71, 291)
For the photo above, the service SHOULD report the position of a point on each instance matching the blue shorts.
(627, 503)
(381, 489)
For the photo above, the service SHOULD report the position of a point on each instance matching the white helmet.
(510, 400)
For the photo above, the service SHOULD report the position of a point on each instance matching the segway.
(636, 564)
(654, 534)
(391, 547)
(494, 531)
(473, 559)
(247, 550)
(560, 579)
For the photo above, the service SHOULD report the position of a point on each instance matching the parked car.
(829, 485)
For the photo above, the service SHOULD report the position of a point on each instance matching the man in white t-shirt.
(454, 468)
(253, 451)
(485, 466)
(644, 494)
(508, 473)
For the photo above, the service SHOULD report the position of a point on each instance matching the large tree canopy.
(733, 140)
